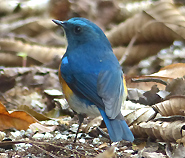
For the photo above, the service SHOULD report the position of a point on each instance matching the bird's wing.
(85, 85)
(110, 88)
(105, 90)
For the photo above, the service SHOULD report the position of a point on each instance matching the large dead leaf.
(138, 115)
(173, 71)
(166, 12)
(147, 49)
(173, 106)
(162, 22)
(17, 119)
(147, 32)
(166, 129)
(164, 79)
(39, 53)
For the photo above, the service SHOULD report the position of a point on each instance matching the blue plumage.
(94, 75)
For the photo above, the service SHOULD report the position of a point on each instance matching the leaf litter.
(154, 108)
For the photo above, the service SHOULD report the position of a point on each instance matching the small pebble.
(65, 133)
(67, 119)
(48, 135)
(38, 136)
(16, 156)
(18, 134)
(49, 122)
(74, 128)
(71, 136)
(61, 136)
(28, 132)
(128, 151)
(96, 140)
(22, 146)
(82, 140)
(53, 92)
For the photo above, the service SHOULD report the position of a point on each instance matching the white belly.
(81, 108)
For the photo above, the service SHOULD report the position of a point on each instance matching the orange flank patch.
(65, 88)
(125, 87)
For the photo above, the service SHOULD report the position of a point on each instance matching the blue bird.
(91, 77)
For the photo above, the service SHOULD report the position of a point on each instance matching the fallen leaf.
(176, 86)
(109, 153)
(37, 127)
(152, 25)
(172, 106)
(177, 151)
(168, 129)
(17, 119)
(94, 123)
(173, 71)
(38, 116)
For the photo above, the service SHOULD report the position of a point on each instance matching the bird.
(91, 77)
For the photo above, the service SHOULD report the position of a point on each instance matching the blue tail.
(118, 129)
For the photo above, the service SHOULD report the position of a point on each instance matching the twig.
(157, 80)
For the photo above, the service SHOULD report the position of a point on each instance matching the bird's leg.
(81, 118)
(104, 134)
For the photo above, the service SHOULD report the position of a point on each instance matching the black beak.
(60, 23)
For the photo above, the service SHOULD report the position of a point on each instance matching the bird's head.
(80, 30)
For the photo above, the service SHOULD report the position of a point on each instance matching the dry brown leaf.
(165, 11)
(182, 140)
(31, 26)
(104, 145)
(172, 71)
(9, 59)
(38, 116)
(176, 151)
(39, 53)
(15, 71)
(176, 87)
(173, 106)
(159, 23)
(17, 119)
(37, 127)
(109, 153)
(166, 130)
(153, 154)
(93, 123)
(132, 7)
(144, 51)
(139, 146)
(138, 115)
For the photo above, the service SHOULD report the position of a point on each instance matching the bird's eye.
(77, 29)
